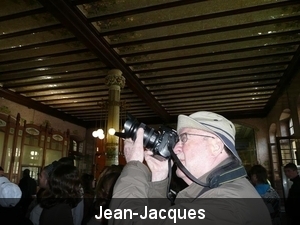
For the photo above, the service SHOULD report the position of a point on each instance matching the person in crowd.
(63, 194)
(89, 193)
(1, 172)
(35, 209)
(218, 191)
(292, 204)
(78, 211)
(103, 194)
(259, 178)
(28, 187)
(10, 195)
(44, 177)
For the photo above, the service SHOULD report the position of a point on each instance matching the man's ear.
(218, 146)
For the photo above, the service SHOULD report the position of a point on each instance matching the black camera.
(159, 142)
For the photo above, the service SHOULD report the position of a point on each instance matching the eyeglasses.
(184, 136)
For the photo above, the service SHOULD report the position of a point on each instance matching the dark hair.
(51, 167)
(66, 160)
(103, 192)
(64, 187)
(1, 169)
(86, 181)
(105, 184)
(290, 166)
(260, 172)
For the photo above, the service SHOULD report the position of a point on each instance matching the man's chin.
(180, 174)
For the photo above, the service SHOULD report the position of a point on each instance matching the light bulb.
(111, 131)
(95, 134)
(101, 136)
(100, 131)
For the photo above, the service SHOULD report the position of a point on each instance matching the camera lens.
(159, 142)
(150, 136)
(131, 126)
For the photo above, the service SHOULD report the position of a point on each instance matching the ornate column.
(115, 81)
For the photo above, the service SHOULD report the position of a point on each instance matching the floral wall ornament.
(5, 109)
(2, 123)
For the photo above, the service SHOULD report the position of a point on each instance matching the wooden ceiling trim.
(195, 92)
(215, 87)
(225, 61)
(284, 61)
(208, 31)
(29, 59)
(32, 69)
(39, 45)
(69, 85)
(208, 76)
(31, 31)
(221, 96)
(23, 14)
(73, 96)
(257, 66)
(216, 53)
(215, 43)
(32, 74)
(66, 89)
(213, 80)
(274, 67)
(139, 10)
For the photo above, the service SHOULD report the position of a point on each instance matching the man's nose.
(178, 148)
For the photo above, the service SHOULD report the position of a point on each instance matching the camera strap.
(229, 172)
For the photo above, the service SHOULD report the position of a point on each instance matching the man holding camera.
(217, 193)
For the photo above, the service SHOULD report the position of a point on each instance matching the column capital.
(114, 77)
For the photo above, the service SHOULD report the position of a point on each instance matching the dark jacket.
(234, 202)
(13, 216)
(28, 187)
(60, 214)
(292, 205)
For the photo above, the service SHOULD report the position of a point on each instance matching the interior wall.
(38, 118)
(288, 100)
(261, 134)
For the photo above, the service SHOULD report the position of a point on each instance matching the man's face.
(290, 173)
(1, 173)
(43, 179)
(196, 151)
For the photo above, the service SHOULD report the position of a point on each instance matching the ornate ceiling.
(231, 57)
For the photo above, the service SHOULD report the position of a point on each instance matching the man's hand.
(158, 168)
(134, 151)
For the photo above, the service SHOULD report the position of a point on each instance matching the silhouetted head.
(258, 175)
(66, 160)
(26, 173)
